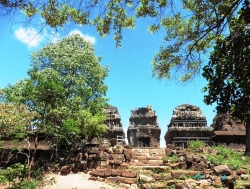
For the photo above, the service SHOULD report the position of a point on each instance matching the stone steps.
(147, 157)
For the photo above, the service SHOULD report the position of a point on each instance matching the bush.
(16, 176)
(196, 144)
(225, 156)
(25, 184)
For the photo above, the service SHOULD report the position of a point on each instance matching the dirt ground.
(74, 181)
(71, 181)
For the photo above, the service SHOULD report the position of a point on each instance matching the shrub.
(165, 159)
(16, 176)
(174, 158)
(225, 156)
(195, 144)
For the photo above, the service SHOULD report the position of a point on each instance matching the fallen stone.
(241, 171)
(127, 180)
(116, 172)
(124, 186)
(98, 172)
(111, 180)
(134, 186)
(65, 170)
(107, 172)
(176, 174)
(146, 179)
(244, 176)
(222, 169)
(129, 174)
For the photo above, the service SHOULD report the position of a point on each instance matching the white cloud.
(29, 36)
(86, 37)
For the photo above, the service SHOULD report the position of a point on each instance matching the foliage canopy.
(228, 71)
(65, 88)
(191, 27)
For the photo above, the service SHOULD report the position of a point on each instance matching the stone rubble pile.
(148, 168)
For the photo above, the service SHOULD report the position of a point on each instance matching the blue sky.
(130, 81)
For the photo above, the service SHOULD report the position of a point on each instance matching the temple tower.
(143, 130)
(187, 123)
(114, 125)
(229, 131)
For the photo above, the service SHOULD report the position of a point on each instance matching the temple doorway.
(144, 142)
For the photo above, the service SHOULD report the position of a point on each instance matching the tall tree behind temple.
(228, 72)
(66, 88)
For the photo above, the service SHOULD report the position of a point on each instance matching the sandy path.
(75, 181)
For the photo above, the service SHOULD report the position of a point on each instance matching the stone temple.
(228, 131)
(187, 123)
(143, 130)
(115, 131)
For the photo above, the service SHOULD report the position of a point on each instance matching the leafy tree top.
(228, 71)
(192, 27)
(66, 88)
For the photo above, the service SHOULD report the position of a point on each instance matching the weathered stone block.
(129, 174)
(103, 156)
(124, 186)
(141, 157)
(118, 162)
(222, 169)
(162, 176)
(189, 159)
(117, 157)
(116, 172)
(176, 174)
(168, 151)
(92, 157)
(171, 146)
(101, 147)
(127, 180)
(65, 170)
(197, 158)
(111, 162)
(109, 150)
(128, 154)
(93, 178)
(96, 164)
(93, 150)
(107, 172)
(199, 167)
(123, 166)
(146, 179)
(155, 162)
(217, 182)
(111, 180)
(104, 164)
(98, 172)
(118, 149)
(241, 171)
(155, 185)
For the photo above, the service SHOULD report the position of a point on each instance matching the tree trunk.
(33, 157)
(247, 152)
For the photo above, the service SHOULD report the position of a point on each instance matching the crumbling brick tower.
(143, 130)
(187, 123)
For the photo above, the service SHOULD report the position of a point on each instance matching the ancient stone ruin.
(187, 123)
(143, 130)
(115, 131)
(228, 131)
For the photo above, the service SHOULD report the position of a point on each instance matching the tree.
(15, 121)
(228, 72)
(66, 89)
(192, 27)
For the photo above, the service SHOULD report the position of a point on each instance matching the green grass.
(196, 144)
(225, 156)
